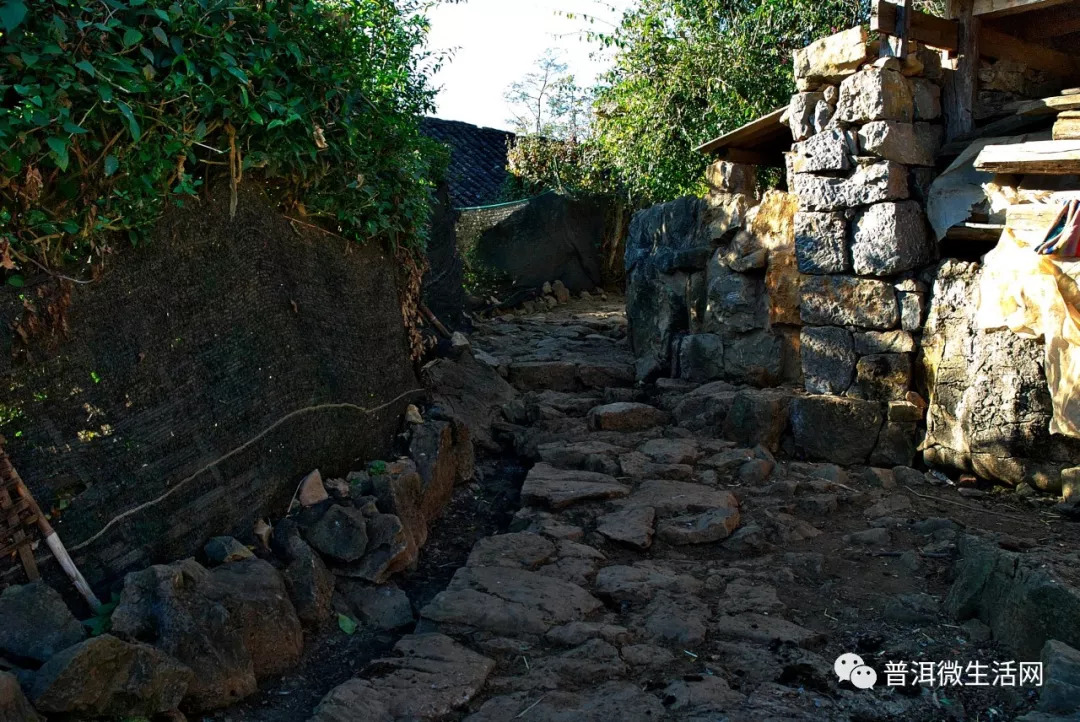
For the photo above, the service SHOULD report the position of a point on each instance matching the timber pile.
(1060, 156)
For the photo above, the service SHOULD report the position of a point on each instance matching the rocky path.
(668, 562)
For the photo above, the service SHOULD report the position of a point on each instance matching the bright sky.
(499, 41)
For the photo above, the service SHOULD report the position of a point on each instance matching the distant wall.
(187, 349)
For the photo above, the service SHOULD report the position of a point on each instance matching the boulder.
(891, 238)
(626, 416)
(875, 94)
(1025, 602)
(443, 454)
(821, 243)
(14, 706)
(849, 301)
(1060, 693)
(828, 359)
(106, 677)
(842, 431)
(897, 444)
(732, 177)
(831, 59)
(429, 678)
(36, 623)
(471, 391)
(169, 605)
(341, 533)
(755, 358)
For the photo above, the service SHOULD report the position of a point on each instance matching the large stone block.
(773, 225)
(701, 357)
(849, 301)
(882, 377)
(839, 430)
(800, 114)
(875, 94)
(896, 445)
(723, 214)
(828, 359)
(871, 183)
(831, 59)
(825, 152)
(755, 358)
(758, 416)
(898, 142)
(735, 300)
(891, 238)
(926, 95)
(821, 243)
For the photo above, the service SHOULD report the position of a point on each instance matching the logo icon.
(851, 668)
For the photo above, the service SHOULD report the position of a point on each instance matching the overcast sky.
(499, 41)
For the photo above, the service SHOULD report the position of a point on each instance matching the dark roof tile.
(477, 169)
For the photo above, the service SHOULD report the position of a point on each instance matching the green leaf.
(86, 68)
(160, 35)
(12, 13)
(346, 623)
(105, 92)
(74, 129)
(132, 37)
(238, 74)
(111, 164)
(133, 124)
(16, 281)
(59, 147)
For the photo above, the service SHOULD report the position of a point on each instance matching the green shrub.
(113, 108)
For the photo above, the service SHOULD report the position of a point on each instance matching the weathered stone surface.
(913, 307)
(520, 550)
(309, 583)
(541, 375)
(723, 214)
(897, 444)
(773, 225)
(400, 492)
(168, 604)
(341, 533)
(757, 417)
(871, 342)
(926, 95)
(471, 391)
(626, 416)
(763, 629)
(556, 488)
(754, 358)
(36, 622)
(677, 497)
(905, 411)
(828, 359)
(105, 677)
(430, 678)
(891, 238)
(735, 301)
(642, 581)
(704, 528)
(701, 357)
(601, 703)
(600, 375)
(312, 491)
(990, 408)
(585, 455)
(882, 377)
(14, 707)
(800, 114)
(732, 177)
(871, 183)
(389, 551)
(381, 608)
(1024, 602)
(224, 549)
(633, 527)
(1060, 693)
(826, 152)
(849, 301)
(839, 430)
(701, 697)
(875, 94)
(831, 59)
(443, 454)
(676, 619)
(671, 451)
(509, 601)
(823, 116)
(898, 142)
(821, 243)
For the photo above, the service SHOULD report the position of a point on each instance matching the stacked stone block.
(864, 153)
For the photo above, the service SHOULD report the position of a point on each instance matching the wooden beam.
(961, 84)
(1044, 25)
(1047, 106)
(750, 157)
(766, 129)
(975, 232)
(1047, 157)
(1001, 8)
(996, 44)
(894, 44)
(925, 28)
(1067, 126)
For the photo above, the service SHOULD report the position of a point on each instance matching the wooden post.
(961, 84)
(896, 46)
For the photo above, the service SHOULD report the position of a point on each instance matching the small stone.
(626, 417)
(312, 491)
(906, 476)
(823, 116)
(892, 505)
(1070, 483)
(561, 293)
(977, 631)
(732, 177)
(634, 526)
(380, 608)
(412, 415)
(904, 411)
(459, 345)
(546, 288)
(870, 537)
(800, 114)
(701, 357)
(917, 608)
(756, 471)
(704, 528)
(341, 533)
(224, 549)
(14, 707)
(1061, 686)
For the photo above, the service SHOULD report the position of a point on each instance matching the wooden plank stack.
(1060, 156)
(1067, 126)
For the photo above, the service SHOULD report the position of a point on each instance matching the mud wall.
(210, 344)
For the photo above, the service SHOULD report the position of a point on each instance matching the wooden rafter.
(924, 28)
(1001, 8)
(996, 44)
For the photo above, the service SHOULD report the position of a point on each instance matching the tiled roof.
(477, 160)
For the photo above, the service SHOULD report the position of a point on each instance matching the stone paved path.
(667, 565)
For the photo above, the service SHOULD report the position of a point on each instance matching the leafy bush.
(689, 70)
(112, 108)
